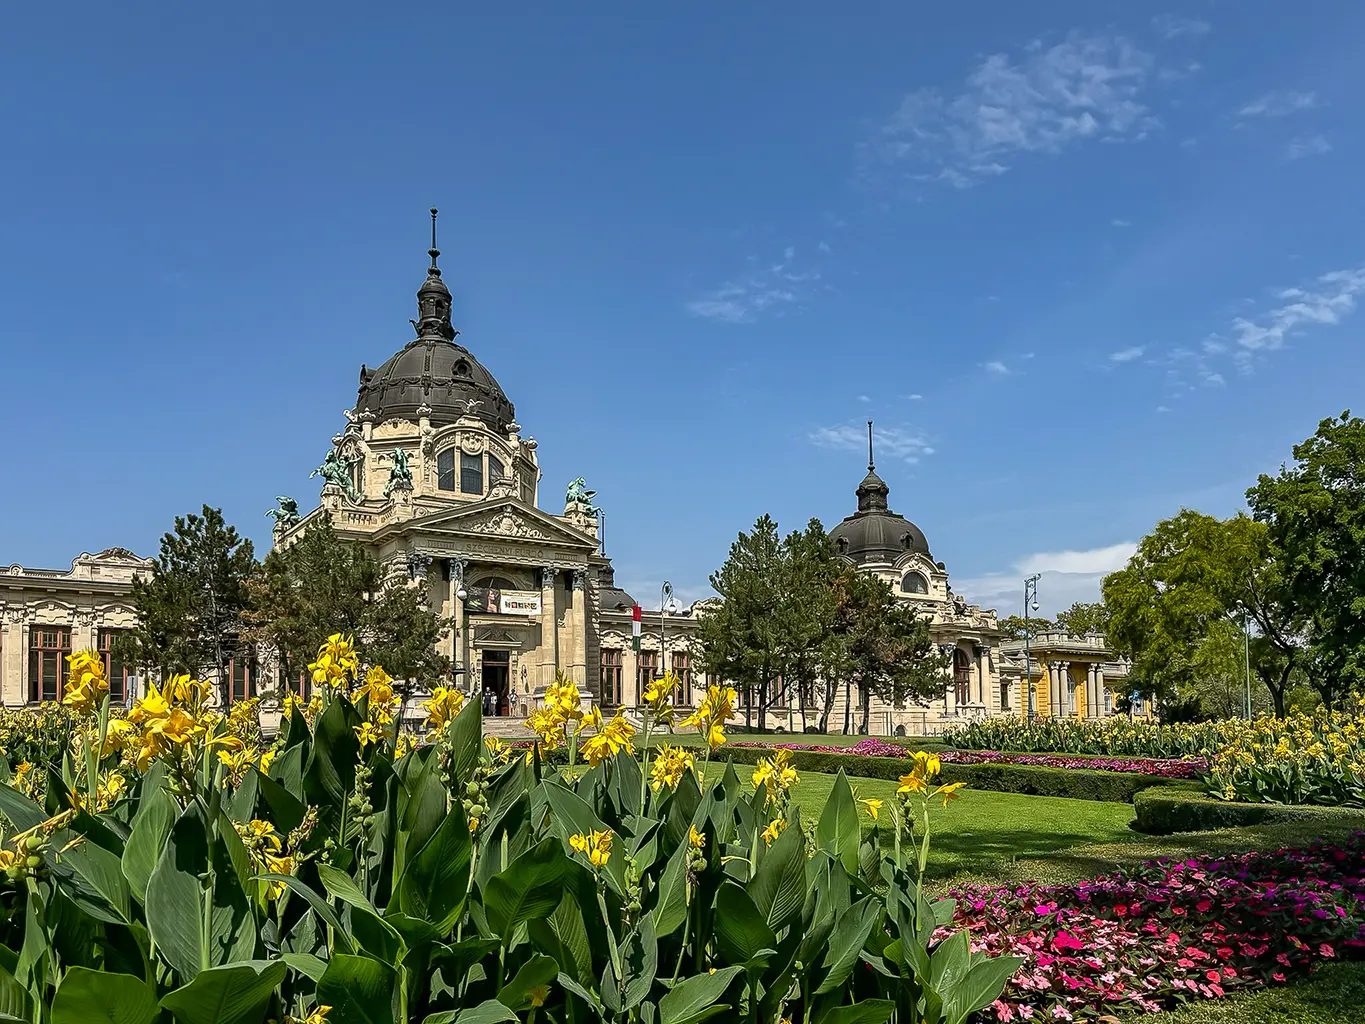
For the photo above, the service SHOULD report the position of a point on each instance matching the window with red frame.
(611, 675)
(48, 647)
(114, 669)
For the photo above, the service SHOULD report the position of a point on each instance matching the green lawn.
(691, 738)
(1335, 995)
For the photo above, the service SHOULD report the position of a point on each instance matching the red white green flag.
(635, 629)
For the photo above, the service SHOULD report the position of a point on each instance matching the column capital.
(545, 575)
(579, 579)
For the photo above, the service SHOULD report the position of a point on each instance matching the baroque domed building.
(432, 473)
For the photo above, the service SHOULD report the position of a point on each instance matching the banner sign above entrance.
(519, 602)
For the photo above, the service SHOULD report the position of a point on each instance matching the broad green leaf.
(330, 775)
(156, 814)
(320, 907)
(98, 997)
(93, 877)
(286, 809)
(740, 929)
(488, 1012)
(236, 993)
(778, 887)
(839, 830)
(456, 959)
(531, 887)
(436, 880)
(670, 895)
(691, 998)
(358, 989)
(240, 803)
(307, 964)
(869, 1011)
(846, 942)
(341, 886)
(466, 740)
(570, 813)
(639, 961)
(981, 987)
(949, 963)
(175, 909)
(22, 812)
(538, 971)
(15, 1000)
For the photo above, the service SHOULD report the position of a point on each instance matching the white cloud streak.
(1067, 576)
(1279, 104)
(1172, 26)
(1084, 88)
(769, 290)
(1127, 355)
(1324, 303)
(1308, 145)
(996, 367)
(897, 442)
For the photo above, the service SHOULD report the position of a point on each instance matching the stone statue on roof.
(578, 494)
(336, 470)
(400, 475)
(287, 514)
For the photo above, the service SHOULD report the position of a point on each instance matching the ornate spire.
(433, 298)
(872, 492)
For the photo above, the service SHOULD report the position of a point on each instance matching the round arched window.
(914, 583)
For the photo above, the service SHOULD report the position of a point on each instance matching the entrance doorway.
(496, 675)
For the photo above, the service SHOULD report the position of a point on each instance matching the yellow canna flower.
(949, 792)
(775, 828)
(695, 838)
(873, 807)
(367, 733)
(595, 845)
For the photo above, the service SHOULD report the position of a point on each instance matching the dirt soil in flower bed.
(1171, 931)
(1169, 768)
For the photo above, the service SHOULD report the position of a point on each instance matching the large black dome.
(438, 374)
(874, 533)
(431, 373)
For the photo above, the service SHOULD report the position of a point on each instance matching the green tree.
(1014, 626)
(191, 610)
(1314, 511)
(742, 640)
(1084, 617)
(1191, 576)
(321, 585)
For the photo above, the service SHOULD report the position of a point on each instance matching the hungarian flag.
(635, 629)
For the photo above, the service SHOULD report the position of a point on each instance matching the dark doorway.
(496, 671)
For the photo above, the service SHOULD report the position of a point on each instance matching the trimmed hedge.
(1184, 807)
(1033, 780)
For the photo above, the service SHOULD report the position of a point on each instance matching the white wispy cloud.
(1119, 222)
(996, 366)
(1173, 26)
(1127, 355)
(1067, 576)
(762, 290)
(1307, 145)
(914, 398)
(897, 442)
(1279, 104)
(1325, 302)
(1086, 87)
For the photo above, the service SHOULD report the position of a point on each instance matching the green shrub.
(1033, 780)
(1183, 808)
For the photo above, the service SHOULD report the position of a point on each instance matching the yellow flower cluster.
(669, 766)
(775, 828)
(267, 851)
(596, 846)
(337, 663)
(442, 707)
(1314, 758)
(923, 771)
(712, 713)
(171, 719)
(86, 686)
(609, 739)
(239, 762)
(563, 704)
(659, 695)
(776, 775)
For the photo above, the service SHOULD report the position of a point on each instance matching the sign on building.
(519, 602)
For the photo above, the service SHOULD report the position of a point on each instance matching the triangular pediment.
(505, 518)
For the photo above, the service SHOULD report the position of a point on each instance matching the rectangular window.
(471, 473)
(114, 669)
(495, 470)
(611, 676)
(48, 648)
(1004, 696)
(646, 667)
(242, 678)
(445, 470)
(682, 668)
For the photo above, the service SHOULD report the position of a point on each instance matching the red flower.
(1224, 953)
(1326, 950)
(1213, 975)
(1065, 940)
(1203, 906)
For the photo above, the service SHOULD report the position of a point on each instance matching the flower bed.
(1170, 931)
(870, 747)
(1168, 768)
(1117, 736)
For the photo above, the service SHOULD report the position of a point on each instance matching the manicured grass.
(691, 738)
(1335, 995)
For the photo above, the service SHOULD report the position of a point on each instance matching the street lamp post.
(666, 605)
(1030, 602)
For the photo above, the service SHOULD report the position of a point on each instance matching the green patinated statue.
(287, 514)
(578, 494)
(336, 470)
(400, 476)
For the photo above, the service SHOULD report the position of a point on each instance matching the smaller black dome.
(874, 533)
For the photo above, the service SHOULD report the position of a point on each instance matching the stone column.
(630, 665)
(13, 644)
(1064, 685)
(461, 657)
(1054, 689)
(578, 625)
(981, 658)
(549, 628)
(950, 693)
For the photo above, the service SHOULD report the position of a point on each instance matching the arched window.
(445, 470)
(914, 583)
(962, 676)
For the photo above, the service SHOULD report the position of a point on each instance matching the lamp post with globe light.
(1030, 603)
(667, 606)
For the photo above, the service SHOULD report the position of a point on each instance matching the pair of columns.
(1062, 689)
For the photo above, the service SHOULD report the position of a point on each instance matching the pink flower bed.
(871, 747)
(1169, 768)
(1170, 931)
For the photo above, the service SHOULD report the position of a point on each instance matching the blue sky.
(1083, 263)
